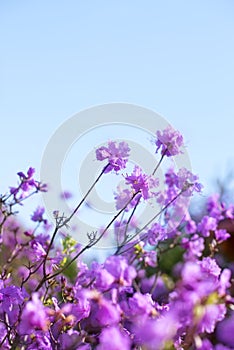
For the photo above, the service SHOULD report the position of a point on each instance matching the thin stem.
(160, 161)
(127, 224)
(65, 222)
(136, 205)
(88, 246)
(148, 223)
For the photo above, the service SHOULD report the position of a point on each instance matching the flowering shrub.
(165, 287)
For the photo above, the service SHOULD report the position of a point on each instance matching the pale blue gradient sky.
(175, 57)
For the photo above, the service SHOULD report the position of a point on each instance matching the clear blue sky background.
(175, 57)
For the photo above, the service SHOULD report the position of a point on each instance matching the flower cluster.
(168, 285)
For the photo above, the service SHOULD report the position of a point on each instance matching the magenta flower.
(154, 334)
(27, 183)
(187, 182)
(193, 246)
(119, 268)
(207, 225)
(103, 313)
(170, 141)
(27, 180)
(34, 316)
(103, 279)
(9, 297)
(37, 250)
(156, 234)
(221, 235)
(225, 331)
(123, 196)
(116, 154)
(113, 338)
(38, 215)
(66, 195)
(138, 307)
(141, 182)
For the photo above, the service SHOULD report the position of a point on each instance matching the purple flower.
(141, 182)
(154, 334)
(210, 266)
(71, 339)
(160, 291)
(221, 347)
(81, 309)
(156, 234)
(150, 258)
(103, 279)
(103, 313)
(26, 184)
(30, 173)
(116, 154)
(187, 182)
(113, 338)
(205, 345)
(170, 141)
(9, 297)
(138, 306)
(193, 246)
(206, 225)
(40, 341)
(123, 196)
(214, 207)
(191, 226)
(119, 268)
(34, 316)
(224, 281)
(221, 235)
(38, 215)
(66, 195)
(225, 331)
(211, 315)
(38, 251)
(27, 181)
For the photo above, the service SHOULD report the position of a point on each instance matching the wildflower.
(170, 141)
(116, 154)
(38, 215)
(141, 182)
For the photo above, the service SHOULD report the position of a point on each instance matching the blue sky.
(174, 57)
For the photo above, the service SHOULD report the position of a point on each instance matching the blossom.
(206, 225)
(193, 246)
(34, 316)
(170, 141)
(27, 183)
(9, 297)
(141, 182)
(221, 235)
(38, 215)
(113, 338)
(103, 313)
(119, 268)
(124, 196)
(187, 182)
(153, 334)
(66, 195)
(116, 154)
(138, 306)
(210, 266)
(38, 250)
(40, 340)
(156, 234)
(103, 278)
(225, 331)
